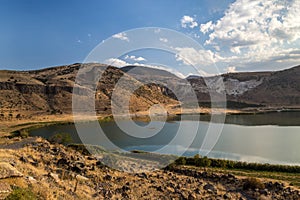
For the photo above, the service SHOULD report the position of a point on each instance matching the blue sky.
(240, 35)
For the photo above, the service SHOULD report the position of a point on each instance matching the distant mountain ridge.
(267, 88)
(49, 91)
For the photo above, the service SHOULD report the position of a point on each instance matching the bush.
(203, 162)
(180, 161)
(20, 133)
(61, 138)
(21, 194)
(253, 183)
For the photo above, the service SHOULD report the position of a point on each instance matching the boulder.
(210, 188)
(8, 171)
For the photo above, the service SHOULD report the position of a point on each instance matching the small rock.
(231, 176)
(197, 191)
(81, 178)
(24, 159)
(31, 179)
(192, 197)
(91, 158)
(227, 196)
(210, 188)
(76, 169)
(264, 192)
(108, 177)
(54, 176)
(160, 188)
(125, 195)
(62, 162)
(36, 164)
(142, 175)
(125, 188)
(170, 189)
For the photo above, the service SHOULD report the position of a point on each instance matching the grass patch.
(21, 194)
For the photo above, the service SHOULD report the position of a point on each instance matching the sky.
(241, 35)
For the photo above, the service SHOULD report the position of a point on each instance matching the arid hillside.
(49, 91)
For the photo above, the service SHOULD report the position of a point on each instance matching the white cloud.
(204, 28)
(188, 21)
(163, 40)
(191, 56)
(256, 31)
(134, 58)
(231, 69)
(116, 62)
(121, 63)
(121, 36)
(157, 31)
(171, 70)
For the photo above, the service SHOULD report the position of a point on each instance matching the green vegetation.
(23, 133)
(61, 138)
(106, 119)
(21, 194)
(253, 183)
(229, 164)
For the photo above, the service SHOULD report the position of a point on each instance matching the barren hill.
(49, 91)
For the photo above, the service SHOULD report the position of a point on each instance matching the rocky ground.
(53, 171)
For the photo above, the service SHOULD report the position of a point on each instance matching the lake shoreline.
(46, 167)
(9, 126)
(25, 130)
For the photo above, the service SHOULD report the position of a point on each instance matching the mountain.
(281, 88)
(144, 72)
(268, 89)
(49, 91)
(243, 89)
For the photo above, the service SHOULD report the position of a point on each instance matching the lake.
(265, 138)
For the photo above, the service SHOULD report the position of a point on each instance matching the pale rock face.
(235, 87)
(232, 86)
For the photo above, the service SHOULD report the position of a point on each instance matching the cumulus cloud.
(231, 69)
(121, 63)
(134, 58)
(191, 56)
(121, 36)
(204, 28)
(188, 21)
(116, 62)
(254, 31)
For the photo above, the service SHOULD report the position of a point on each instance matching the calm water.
(266, 138)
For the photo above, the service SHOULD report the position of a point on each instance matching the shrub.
(180, 161)
(253, 183)
(20, 133)
(203, 162)
(61, 138)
